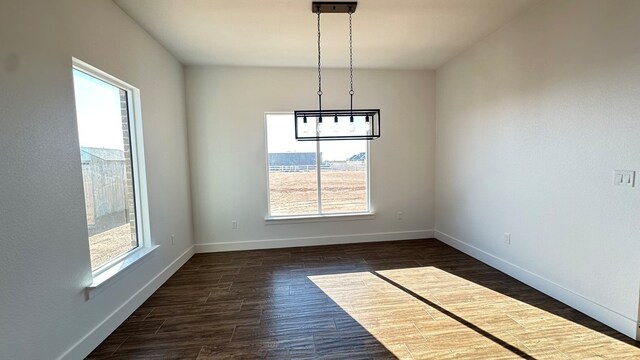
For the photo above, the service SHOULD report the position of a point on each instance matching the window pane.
(293, 185)
(344, 176)
(103, 128)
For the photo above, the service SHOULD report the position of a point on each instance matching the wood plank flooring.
(418, 299)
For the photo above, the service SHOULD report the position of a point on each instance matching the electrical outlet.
(624, 178)
(399, 215)
(507, 238)
(173, 237)
(234, 225)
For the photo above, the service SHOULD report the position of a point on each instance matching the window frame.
(319, 215)
(113, 267)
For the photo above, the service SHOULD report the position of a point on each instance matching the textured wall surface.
(226, 109)
(531, 124)
(44, 252)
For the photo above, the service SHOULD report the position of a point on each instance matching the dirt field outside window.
(295, 193)
(109, 244)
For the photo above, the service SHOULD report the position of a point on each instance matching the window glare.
(97, 105)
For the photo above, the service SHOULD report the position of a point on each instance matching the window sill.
(318, 218)
(117, 270)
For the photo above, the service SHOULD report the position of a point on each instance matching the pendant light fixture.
(346, 124)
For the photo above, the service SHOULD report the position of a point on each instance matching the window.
(308, 178)
(106, 130)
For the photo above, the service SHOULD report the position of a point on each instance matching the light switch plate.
(624, 178)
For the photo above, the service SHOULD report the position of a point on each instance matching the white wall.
(44, 254)
(226, 106)
(531, 123)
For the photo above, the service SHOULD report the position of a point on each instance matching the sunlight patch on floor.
(403, 324)
(457, 318)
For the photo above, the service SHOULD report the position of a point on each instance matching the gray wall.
(44, 253)
(532, 122)
(226, 107)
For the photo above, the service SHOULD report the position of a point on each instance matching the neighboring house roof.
(87, 153)
(359, 157)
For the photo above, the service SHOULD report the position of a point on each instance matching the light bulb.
(367, 124)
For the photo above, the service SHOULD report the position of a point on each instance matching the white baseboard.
(84, 346)
(612, 318)
(312, 241)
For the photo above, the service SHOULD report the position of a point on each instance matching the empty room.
(299, 179)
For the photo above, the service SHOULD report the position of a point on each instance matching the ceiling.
(392, 34)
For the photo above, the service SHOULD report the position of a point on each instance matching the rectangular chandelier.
(356, 124)
(347, 124)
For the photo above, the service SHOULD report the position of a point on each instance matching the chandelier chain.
(351, 92)
(350, 53)
(319, 64)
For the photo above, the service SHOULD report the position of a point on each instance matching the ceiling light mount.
(348, 124)
(340, 7)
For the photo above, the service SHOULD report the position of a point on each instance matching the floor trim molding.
(579, 302)
(312, 241)
(84, 346)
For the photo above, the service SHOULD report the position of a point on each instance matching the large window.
(104, 108)
(309, 178)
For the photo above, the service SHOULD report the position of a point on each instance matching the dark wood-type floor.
(406, 299)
